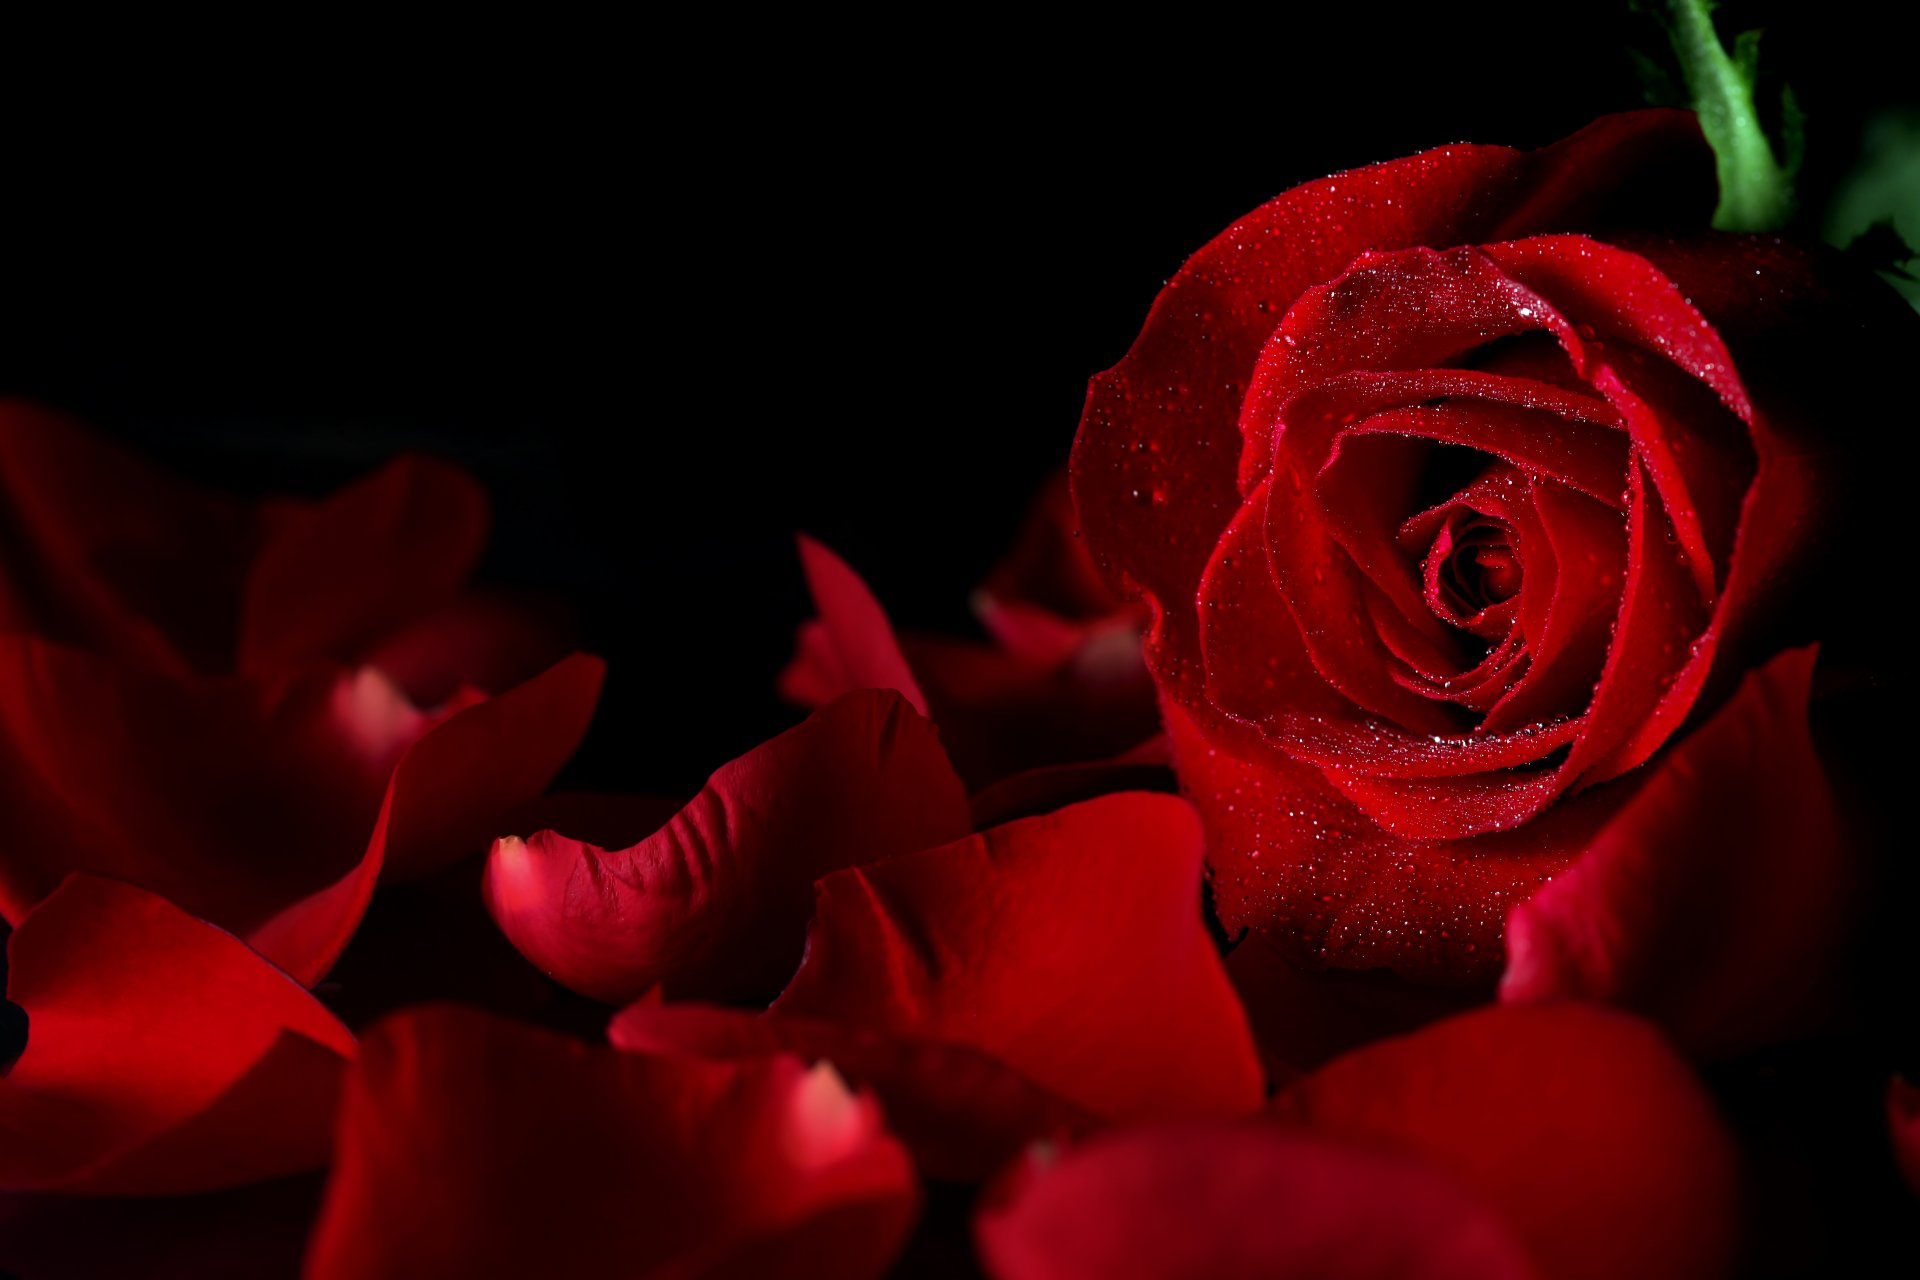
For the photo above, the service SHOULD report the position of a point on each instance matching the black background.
(676, 292)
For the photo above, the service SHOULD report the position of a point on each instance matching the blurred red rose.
(254, 709)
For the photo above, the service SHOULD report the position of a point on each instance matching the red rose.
(1456, 505)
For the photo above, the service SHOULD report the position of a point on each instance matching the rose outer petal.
(1717, 901)
(962, 1114)
(1579, 1125)
(476, 1147)
(163, 1057)
(1070, 946)
(716, 903)
(1173, 1203)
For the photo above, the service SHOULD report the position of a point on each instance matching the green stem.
(1756, 191)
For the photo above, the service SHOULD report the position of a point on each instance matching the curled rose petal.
(716, 902)
(1070, 946)
(962, 1114)
(1054, 690)
(204, 775)
(1170, 1203)
(447, 797)
(854, 646)
(1580, 1126)
(1717, 901)
(163, 1056)
(476, 1147)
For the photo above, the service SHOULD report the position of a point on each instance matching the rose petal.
(962, 1114)
(109, 553)
(1293, 856)
(1717, 901)
(1579, 1125)
(334, 578)
(1070, 946)
(447, 796)
(475, 1147)
(716, 902)
(854, 642)
(203, 774)
(1166, 1204)
(163, 1056)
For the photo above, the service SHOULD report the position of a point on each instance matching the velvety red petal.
(1568, 648)
(1717, 901)
(815, 675)
(336, 577)
(446, 800)
(104, 551)
(1257, 667)
(716, 902)
(1173, 1203)
(163, 1056)
(475, 1147)
(1903, 1122)
(1629, 169)
(855, 637)
(1070, 946)
(229, 797)
(962, 1114)
(1579, 1125)
(1291, 855)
